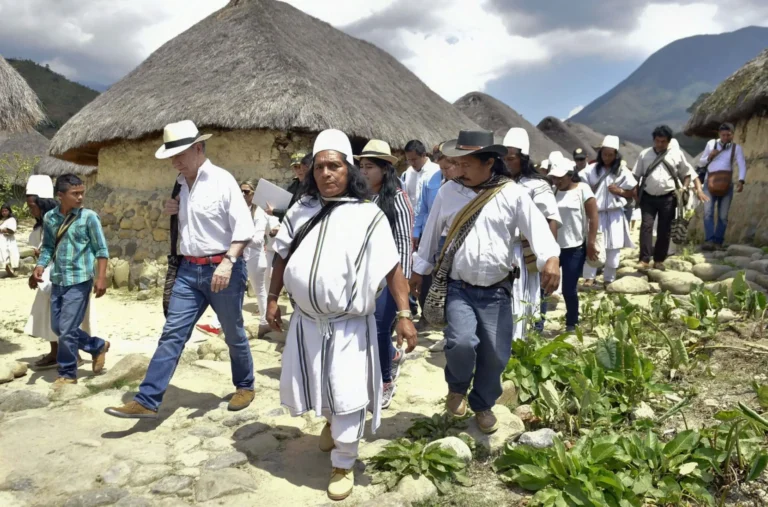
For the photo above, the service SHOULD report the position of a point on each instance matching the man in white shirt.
(719, 156)
(215, 226)
(420, 170)
(661, 172)
(472, 281)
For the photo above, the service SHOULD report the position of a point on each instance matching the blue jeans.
(478, 340)
(572, 263)
(191, 296)
(715, 233)
(386, 308)
(68, 305)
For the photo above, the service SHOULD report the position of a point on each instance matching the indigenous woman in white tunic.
(613, 184)
(526, 291)
(334, 253)
(9, 251)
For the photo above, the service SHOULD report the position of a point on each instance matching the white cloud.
(576, 110)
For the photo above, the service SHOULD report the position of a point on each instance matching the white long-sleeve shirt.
(414, 181)
(722, 162)
(485, 257)
(213, 213)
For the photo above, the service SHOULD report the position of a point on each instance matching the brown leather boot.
(456, 405)
(132, 410)
(241, 399)
(98, 359)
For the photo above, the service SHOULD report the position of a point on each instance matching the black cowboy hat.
(473, 142)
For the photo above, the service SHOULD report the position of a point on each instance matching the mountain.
(61, 98)
(669, 82)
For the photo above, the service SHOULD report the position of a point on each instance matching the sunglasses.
(246, 192)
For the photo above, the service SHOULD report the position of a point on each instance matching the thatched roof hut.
(492, 114)
(263, 64)
(31, 148)
(20, 109)
(741, 96)
(560, 133)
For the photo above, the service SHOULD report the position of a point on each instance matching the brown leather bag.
(719, 182)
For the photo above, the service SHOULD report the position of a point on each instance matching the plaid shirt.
(79, 248)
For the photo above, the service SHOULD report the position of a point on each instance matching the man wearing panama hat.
(215, 226)
(472, 279)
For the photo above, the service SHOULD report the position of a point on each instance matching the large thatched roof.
(263, 64)
(32, 148)
(19, 107)
(492, 114)
(740, 96)
(560, 133)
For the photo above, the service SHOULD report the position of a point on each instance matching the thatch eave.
(20, 109)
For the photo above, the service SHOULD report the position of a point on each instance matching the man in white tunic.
(335, 251)
(472, 280)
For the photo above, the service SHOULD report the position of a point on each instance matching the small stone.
(726, 316)
(711, 403)
(96, 498)
(133, 501)
(19, 369)
(508, 394)
(142, 295)
(146, 454)
(241, 417)
(678, 265)
(250, 430)
(189, 356)
(456, 444)
(16, 401)
(415, 490)
(218, 483)
(540, 439)
(171, 484)
(186, 444)
(117, 475)
(643, 411)
(189, 472)
(6, 373)
(209, 357)
(629, 285)
(147, 474)
(655, 287)
(525, 413)
(17, 482)
(206, 431)
(259, 445)
(229, 460)
(129, 368)
(68, 392)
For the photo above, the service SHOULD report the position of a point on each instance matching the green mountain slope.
(669, 81)
(61, 97)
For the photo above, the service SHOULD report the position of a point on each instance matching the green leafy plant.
(534, 361)
(403, 458)
(436, 427)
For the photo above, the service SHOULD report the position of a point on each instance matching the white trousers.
(257, 274)
(612, 258)
(344, 430)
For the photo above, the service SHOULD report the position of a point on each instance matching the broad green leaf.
(728, 415)
(758, 466)
(576, 493)
(679, 353)
(602, 452)
(549, 393)
(688, 468)
(607, 354)
(533, 471)
(643, 483)
(513, 457)
(754, 416)
(698, 491)
(739, 286)
(547, 350)
(685, 441)
(692, 322)
(762, 395)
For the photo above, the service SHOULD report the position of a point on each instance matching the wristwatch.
(231, 258)
(403, 314)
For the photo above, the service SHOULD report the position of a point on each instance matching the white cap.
(40, 185)
(544, 165)
(560, 167)
(611, 142)
(335, 140)
(517, 138)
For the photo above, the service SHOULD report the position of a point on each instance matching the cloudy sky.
(542, 57)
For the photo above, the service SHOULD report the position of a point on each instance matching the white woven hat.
(517, 138)
(40, 185)
(611, 142)
(179, 136)
(335, 140)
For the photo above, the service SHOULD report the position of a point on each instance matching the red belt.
(203, 261)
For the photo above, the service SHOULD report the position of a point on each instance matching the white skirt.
(9, 252)
(615, 229)
(526, 295)
(39, 322)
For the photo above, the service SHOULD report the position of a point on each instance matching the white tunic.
(333, 278)
(9, 251)
(610, 207)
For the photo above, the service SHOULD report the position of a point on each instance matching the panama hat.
(179, 136)
(611, 142)
(473, 142)
(336, 140)
(40, 185)
(517, 138)
(377, 149)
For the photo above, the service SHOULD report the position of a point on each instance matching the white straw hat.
(611, 142)
(179, 136)
(335, 140)
(517, 138)
(377, 149)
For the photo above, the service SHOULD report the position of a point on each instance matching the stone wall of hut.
(132, 186)
(748, 218)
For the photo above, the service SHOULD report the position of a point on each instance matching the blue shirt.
(82, 244)
(428, 194)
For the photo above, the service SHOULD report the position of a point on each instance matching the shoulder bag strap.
(175, 221)
(596, 186)
(671, 174)
(61, 232)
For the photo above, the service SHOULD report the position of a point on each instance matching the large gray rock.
(171, 485)
(762, 281)
(6, 373)
(743, 251)
(629, 285)
(540, 439)
(18, 482)
(643, 411)
(678, 265)
(455, 444)
(508, 394)
(133, 501)
(259, 445)
(749, 275)
(68, 392)
(760, 266)
(218, 483)
(130, 368)
(415, 490)
(229, 460)
(679, 283)
(147, 474)
(710, 272)
(96, 498)
(739, 262)
(240, 418)
(510, 426)
(16, 401)
(629, 271)
(122, 273)
(250, 430)
(146, 454)
(116, 475)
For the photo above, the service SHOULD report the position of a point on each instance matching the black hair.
(307, 160)
(390, 184)
(499, 167)
(726, 126)
(8, 207)
(416, 147)
(663, 131)
(616, 163)
(45, 205)
(528, 169)
(67, 181)
(357, 185)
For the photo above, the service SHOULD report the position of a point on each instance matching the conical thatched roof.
(19, 107)
(263, 64)
(629, 151)
(740, 96)
(492, 114)
(559, 132)
(32, 147)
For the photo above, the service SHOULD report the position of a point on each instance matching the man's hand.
(269, 210)
(702, 196)
(406, 331)
(221, 276)
(37, 252)
(739, 187)
(274, 319)
(274, 232)
(615, 190)
(415, 284)
(415, 244)
(100, 287)
(36, 277)
(550, 276)
(171, 206)
(591, 251)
